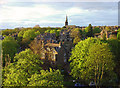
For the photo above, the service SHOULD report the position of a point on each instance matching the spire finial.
(66, 17)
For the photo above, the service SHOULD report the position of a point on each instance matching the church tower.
(66, 22)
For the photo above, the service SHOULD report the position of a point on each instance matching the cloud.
(14, 13)
(62, 0)
(44, 14)
(2, 2)
(75, 10)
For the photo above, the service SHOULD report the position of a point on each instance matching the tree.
(8, 32)
(76, 34)
(104, 36)
(52, 78)
(108, 28)
(115, 48)
(30, 34)
(100, 64)
(36, 46)
(47, 31)
(76, 40)
(20, 34)
(118, 35)
(25, 64)
(96, 30)
(89, 31)
(56, 31)
(78, 55)
(85, 57)
(118, 30)
(10, 47)
(52, 31)
(27, 36)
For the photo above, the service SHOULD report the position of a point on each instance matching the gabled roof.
(52, 45)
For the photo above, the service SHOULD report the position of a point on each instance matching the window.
(64, 54)
(43, 55)
(65, 60)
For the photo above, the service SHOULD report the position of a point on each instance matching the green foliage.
(20, 34)
(86, 55)
(36, 46)
(9, 31)
(76, 40)
(56, 31)
(115, 45)
(96, 30)
(108, 28)
(78, 55)
(100, 61)
(42, 30)
(26, 36)
(115, 48)
(118, 30)
(89, 31)
(52, 31)
(104, 36)
(118, 35)
(47, 31)
(37, 33)
(10, 47)
(17, 73)
(64, 27)
(30, 34)
(25, 42)
(76, 33)
(52, 78)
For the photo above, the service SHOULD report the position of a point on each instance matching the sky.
(45, 13)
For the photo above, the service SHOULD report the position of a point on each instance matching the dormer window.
(64, 54)
(65, 60)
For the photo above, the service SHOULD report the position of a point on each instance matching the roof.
(52, 45)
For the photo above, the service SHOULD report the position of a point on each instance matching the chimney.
(106, 34)
(52, 41)
(42, 44)
(60, 44)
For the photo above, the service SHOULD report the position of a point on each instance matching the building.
(70, 26)
(66, 22)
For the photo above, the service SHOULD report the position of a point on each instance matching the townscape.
(61, 56)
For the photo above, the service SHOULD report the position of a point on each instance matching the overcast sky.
(28, 14)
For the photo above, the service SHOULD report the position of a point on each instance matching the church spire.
(66, 22)
(66, 18)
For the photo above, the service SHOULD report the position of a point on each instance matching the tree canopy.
(25, 64)
(30, 34)
(100, 64)
(96, 30)
(52, 78)
(56, 31)
(26, 71)
(9, 47)
(76, 34)
(86, 58)
(108, 28)
(118, 35)
(89, 31)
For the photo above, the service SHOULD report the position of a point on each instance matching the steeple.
(66, 22)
